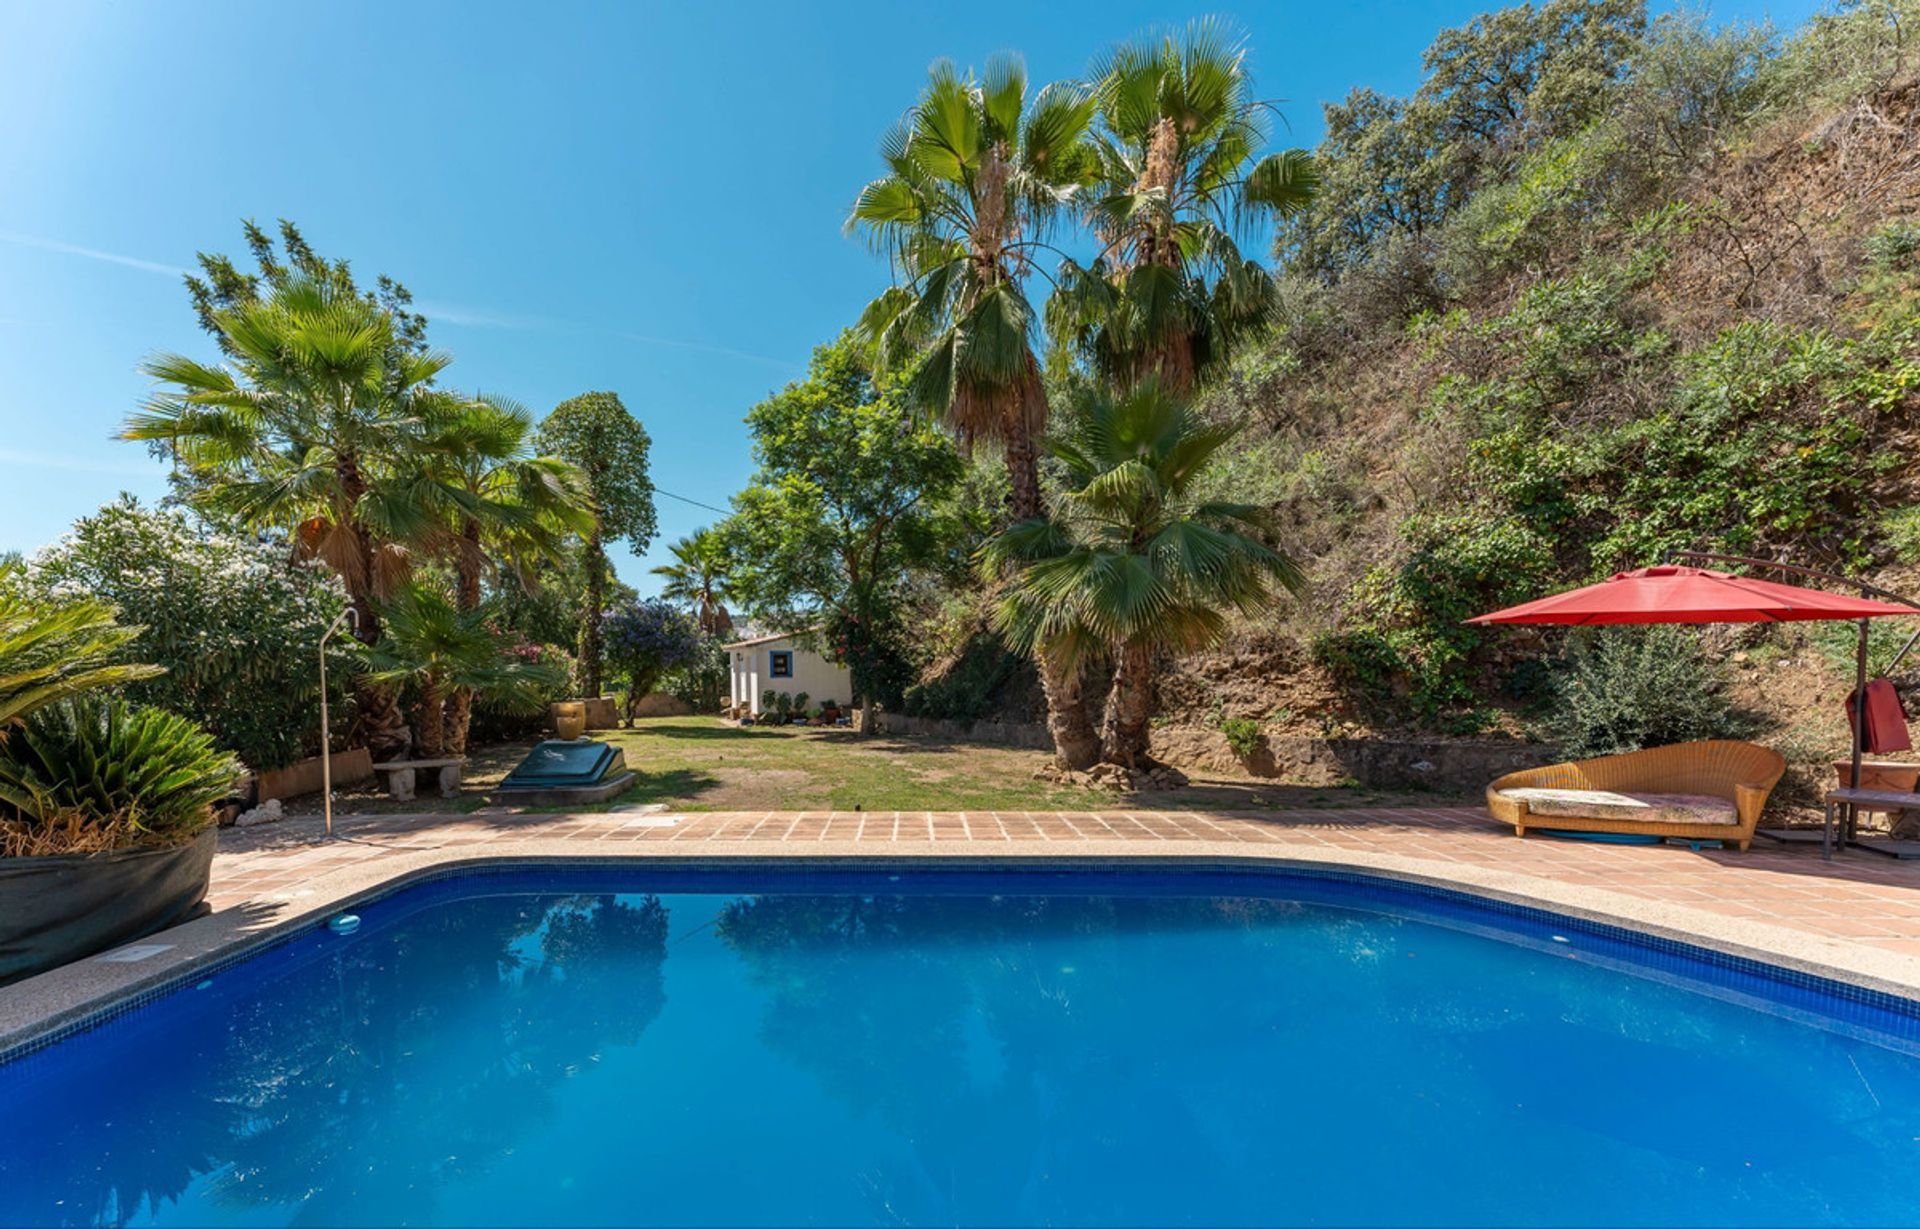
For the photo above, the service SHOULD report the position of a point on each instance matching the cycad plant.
(978, 176)
(1135, 560)
(52, 650)
(89, 774)
(698, 577)
(1181, 178)
(315, 426)
(437, 649)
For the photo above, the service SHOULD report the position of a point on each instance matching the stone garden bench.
(400, 776)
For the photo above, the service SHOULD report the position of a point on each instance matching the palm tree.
(698, 577)
(441, 650)
(1180, 179)
(50, 651)
(505, 507)
(316, 428)
(978, 174)
(1136, 561)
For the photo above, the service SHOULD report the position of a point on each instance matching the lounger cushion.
(1635, 807)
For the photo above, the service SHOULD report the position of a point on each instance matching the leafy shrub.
(1900, 528)
(235, 625)
(526, 716)
(1626, 688)
(973, 684)
(1243, 734)
(702, 679)
(91, 774)
(1363, 659)
(1893, 245)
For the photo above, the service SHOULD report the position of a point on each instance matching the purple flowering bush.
(643, 640)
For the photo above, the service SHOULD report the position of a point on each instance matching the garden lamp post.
(348, 615)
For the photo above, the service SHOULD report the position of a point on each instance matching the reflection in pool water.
(496, 1050)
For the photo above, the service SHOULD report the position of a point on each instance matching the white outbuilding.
(782, 663)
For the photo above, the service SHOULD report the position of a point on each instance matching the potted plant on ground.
(106, 809)
(800, 707)
(829, 712)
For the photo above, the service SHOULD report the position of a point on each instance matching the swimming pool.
(641, 1045)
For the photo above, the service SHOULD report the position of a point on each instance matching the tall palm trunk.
(1126, 724)
(1075, 744)
(460, 699)
(377, 711)
(590, 617)
(1169, 357)
(432, 734)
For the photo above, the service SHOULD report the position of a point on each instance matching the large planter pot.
(569, 719)
(57, 910)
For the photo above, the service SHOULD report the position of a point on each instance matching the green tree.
(314, 426)
(837, 512)
(1496, 88)
(1180, 178)
(505, 506)
(644, 641)
(698, 577)
(1135, 561)
(978, 175)
(596, 434)
(221, 285)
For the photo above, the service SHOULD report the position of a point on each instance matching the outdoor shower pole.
(1859, 724)
(326, 730)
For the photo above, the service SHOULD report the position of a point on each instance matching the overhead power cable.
(696, 503)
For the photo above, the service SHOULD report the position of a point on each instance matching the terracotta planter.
(569, 719)
(56, 910)
(350, 767)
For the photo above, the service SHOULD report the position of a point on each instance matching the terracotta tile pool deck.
(1859, 898)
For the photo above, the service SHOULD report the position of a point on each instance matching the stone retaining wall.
(1008, 733)
(1452, 766)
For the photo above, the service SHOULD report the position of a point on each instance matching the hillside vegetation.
(1602, 289)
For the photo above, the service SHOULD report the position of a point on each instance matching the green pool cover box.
(560, 771)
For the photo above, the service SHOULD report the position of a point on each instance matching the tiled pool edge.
(54, 1004)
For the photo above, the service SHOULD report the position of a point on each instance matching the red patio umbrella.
(1672, 593)
(1675, 594)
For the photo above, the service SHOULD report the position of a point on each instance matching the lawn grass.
(706, 764)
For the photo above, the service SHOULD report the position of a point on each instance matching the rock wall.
(1007, 733)
(660, 704)
(1450, 766)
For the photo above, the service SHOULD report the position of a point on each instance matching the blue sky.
(638, 197)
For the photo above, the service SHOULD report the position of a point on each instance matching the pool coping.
(76, 996)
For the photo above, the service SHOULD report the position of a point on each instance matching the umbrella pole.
(1859, 722)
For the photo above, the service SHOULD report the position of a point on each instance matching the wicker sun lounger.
(1712, 790)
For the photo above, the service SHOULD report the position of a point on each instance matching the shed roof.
(751, 641)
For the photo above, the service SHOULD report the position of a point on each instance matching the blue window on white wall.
(780, 665)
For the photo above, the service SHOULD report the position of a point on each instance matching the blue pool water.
(636, 1046)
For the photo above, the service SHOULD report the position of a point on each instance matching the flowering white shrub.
(233, 620)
